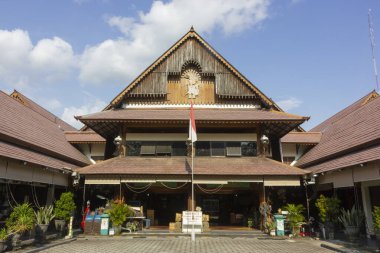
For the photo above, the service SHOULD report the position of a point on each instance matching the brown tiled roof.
(83, 137)
(357, 130)
(302, 137)
(183, 114)
(181, 166)
(24, 127)
(346, 111)
(15, 152)
(39, 109)
(350, 159)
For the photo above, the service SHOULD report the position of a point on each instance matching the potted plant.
(63, 209)
(376, 223)
(250, 222)
(3, 239)
(118, 215)
(43, 218)
(19, 221)
(295, 217)
(270, 226)
(352, 220)
(328, 212)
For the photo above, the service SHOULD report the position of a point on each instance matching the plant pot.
(352, 232)
(273, 232)
(60, 225)
(378, 239)
(3, 245)
(117, 230)
(16, 242)
(41, 232)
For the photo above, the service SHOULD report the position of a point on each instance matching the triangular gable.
(156, 75)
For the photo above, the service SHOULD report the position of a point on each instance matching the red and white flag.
(192, 128)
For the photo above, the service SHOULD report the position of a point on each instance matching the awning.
(174, 180)
(102, 180)
(138, 180)
(210, 181)
(282, 182)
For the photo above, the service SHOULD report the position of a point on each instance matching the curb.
(323, 245)
(50, 245)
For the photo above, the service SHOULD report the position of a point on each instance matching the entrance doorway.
(228, 209)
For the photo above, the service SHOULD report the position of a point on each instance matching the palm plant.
(44, 215)
(295, 216)
(351, 218)
(21, 219)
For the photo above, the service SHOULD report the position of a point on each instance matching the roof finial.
(192, 29)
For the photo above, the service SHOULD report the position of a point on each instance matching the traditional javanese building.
(36, 160)
(237, 157)
(343, 154)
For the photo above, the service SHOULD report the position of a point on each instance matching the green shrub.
(295, 216)
(4, 234)
(21, 218)
(65, 206)
(119, 213)
(376, 218)
(328, 208)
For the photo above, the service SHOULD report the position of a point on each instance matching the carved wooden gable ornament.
(191, 70)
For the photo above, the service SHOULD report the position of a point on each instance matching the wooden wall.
(164, 83)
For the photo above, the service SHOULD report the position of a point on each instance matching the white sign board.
(104, 224)
(190, 220)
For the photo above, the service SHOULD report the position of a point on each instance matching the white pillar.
(367, 209)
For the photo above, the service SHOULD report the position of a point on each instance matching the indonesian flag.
(192, 128)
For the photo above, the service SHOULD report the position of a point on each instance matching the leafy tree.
(65, 206)
(328, 208)
(376, 218)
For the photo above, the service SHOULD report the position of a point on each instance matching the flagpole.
(192, 190)
(193, 138)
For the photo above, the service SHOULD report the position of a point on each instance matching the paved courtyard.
(171, 245)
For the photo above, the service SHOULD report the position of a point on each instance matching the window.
(163, 148)
(133, 148)
(203, 148)
(248, 148)
(148, 148)
(233, 148)
(179, 148)
(288, 159)
(217, 148)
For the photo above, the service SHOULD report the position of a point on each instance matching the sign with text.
(191, 219)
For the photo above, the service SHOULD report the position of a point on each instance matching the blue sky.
(74, 56)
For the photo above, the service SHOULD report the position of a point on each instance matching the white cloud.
(22, 63)
(94, 105)
(144, 38)
(51, 104)
(289, 104)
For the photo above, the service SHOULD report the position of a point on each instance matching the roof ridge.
(37, 146)
(367, 100)
(54, 118)
(331, 120)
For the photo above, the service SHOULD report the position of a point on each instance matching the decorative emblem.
(192, 80)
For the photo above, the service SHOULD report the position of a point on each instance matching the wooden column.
(258, 143)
